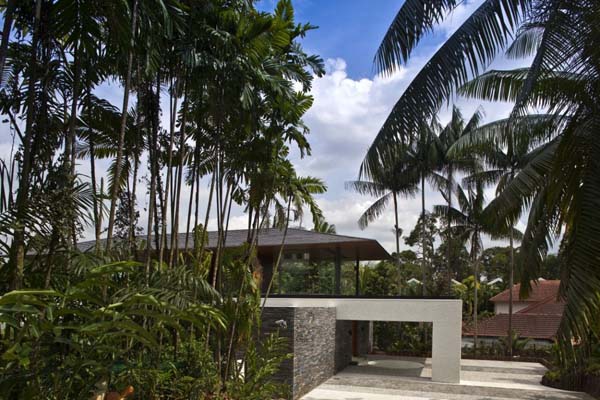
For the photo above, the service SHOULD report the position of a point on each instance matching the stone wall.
(311, 334)
(270, 317)
(314, 348)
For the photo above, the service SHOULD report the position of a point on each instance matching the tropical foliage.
(543, 157)
(120, 113)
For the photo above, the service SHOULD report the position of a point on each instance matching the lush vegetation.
(542, 159)
(208, 93)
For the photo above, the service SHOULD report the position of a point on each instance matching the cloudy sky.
(351, 103)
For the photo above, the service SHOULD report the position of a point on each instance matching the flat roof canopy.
(319, 245)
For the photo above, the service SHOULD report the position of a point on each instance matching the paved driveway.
(387, 378)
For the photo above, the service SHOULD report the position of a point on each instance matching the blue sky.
(348, 29)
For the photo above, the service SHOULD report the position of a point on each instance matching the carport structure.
(312, 334)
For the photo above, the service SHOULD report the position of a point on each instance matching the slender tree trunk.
(96, 206)
(205, 227)
(132, 202)
(126, 88)
(151, 207)
(8, 19)
(154, 173)
(71, 140)
(165, 202)
(74, 105)
(190, 203)
(279, 254)
(175, 230)
(22, 199)
(510, 292)
(423, 224)
(475, 299)
(397, 235)
(449, 247)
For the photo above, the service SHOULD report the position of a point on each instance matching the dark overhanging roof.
(349, 247)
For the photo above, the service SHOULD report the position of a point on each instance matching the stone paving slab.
(411, 380)
(340, 392)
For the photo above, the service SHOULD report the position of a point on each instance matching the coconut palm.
(468, 224)
(390, 183)
(505, 148)
(561, 38)
(451, 164)
(323, 226)
(466, 52)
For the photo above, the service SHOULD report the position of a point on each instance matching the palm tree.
(560, 37)
(450, 165)
(466, 52)
(323, 226)
(505, 148)
(387, 184)
(468, 225)
(425, 157)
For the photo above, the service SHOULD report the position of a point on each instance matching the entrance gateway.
(310, 328)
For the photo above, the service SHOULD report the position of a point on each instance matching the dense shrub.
(167, 333)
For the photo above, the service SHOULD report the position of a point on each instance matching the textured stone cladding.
(311, 334)
(270, 325)
(314, 348)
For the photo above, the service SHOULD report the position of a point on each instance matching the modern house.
(331, 260)
(316, 303)
(536, 317)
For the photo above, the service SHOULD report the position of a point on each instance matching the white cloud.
(344, 120)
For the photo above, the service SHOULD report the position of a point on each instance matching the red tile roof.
(548, 306)
(535, 326)
(540, 291)
(539, 320)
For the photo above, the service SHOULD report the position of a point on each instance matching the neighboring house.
(541, 292)
(536, 317)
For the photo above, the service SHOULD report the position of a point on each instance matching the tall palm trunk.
(423, 224)
(475, 298)
(95, 203)
(396, 231)
(115, 189)
(193, 193)
(165, 199)
(211, 192)
(175, 228)
(280, 253)
(397, 235)
(132, 203)
(449, 248)
(22, 199)
(510, 292)
(154, 173)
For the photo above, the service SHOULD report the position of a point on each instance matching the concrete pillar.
(446, 351)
